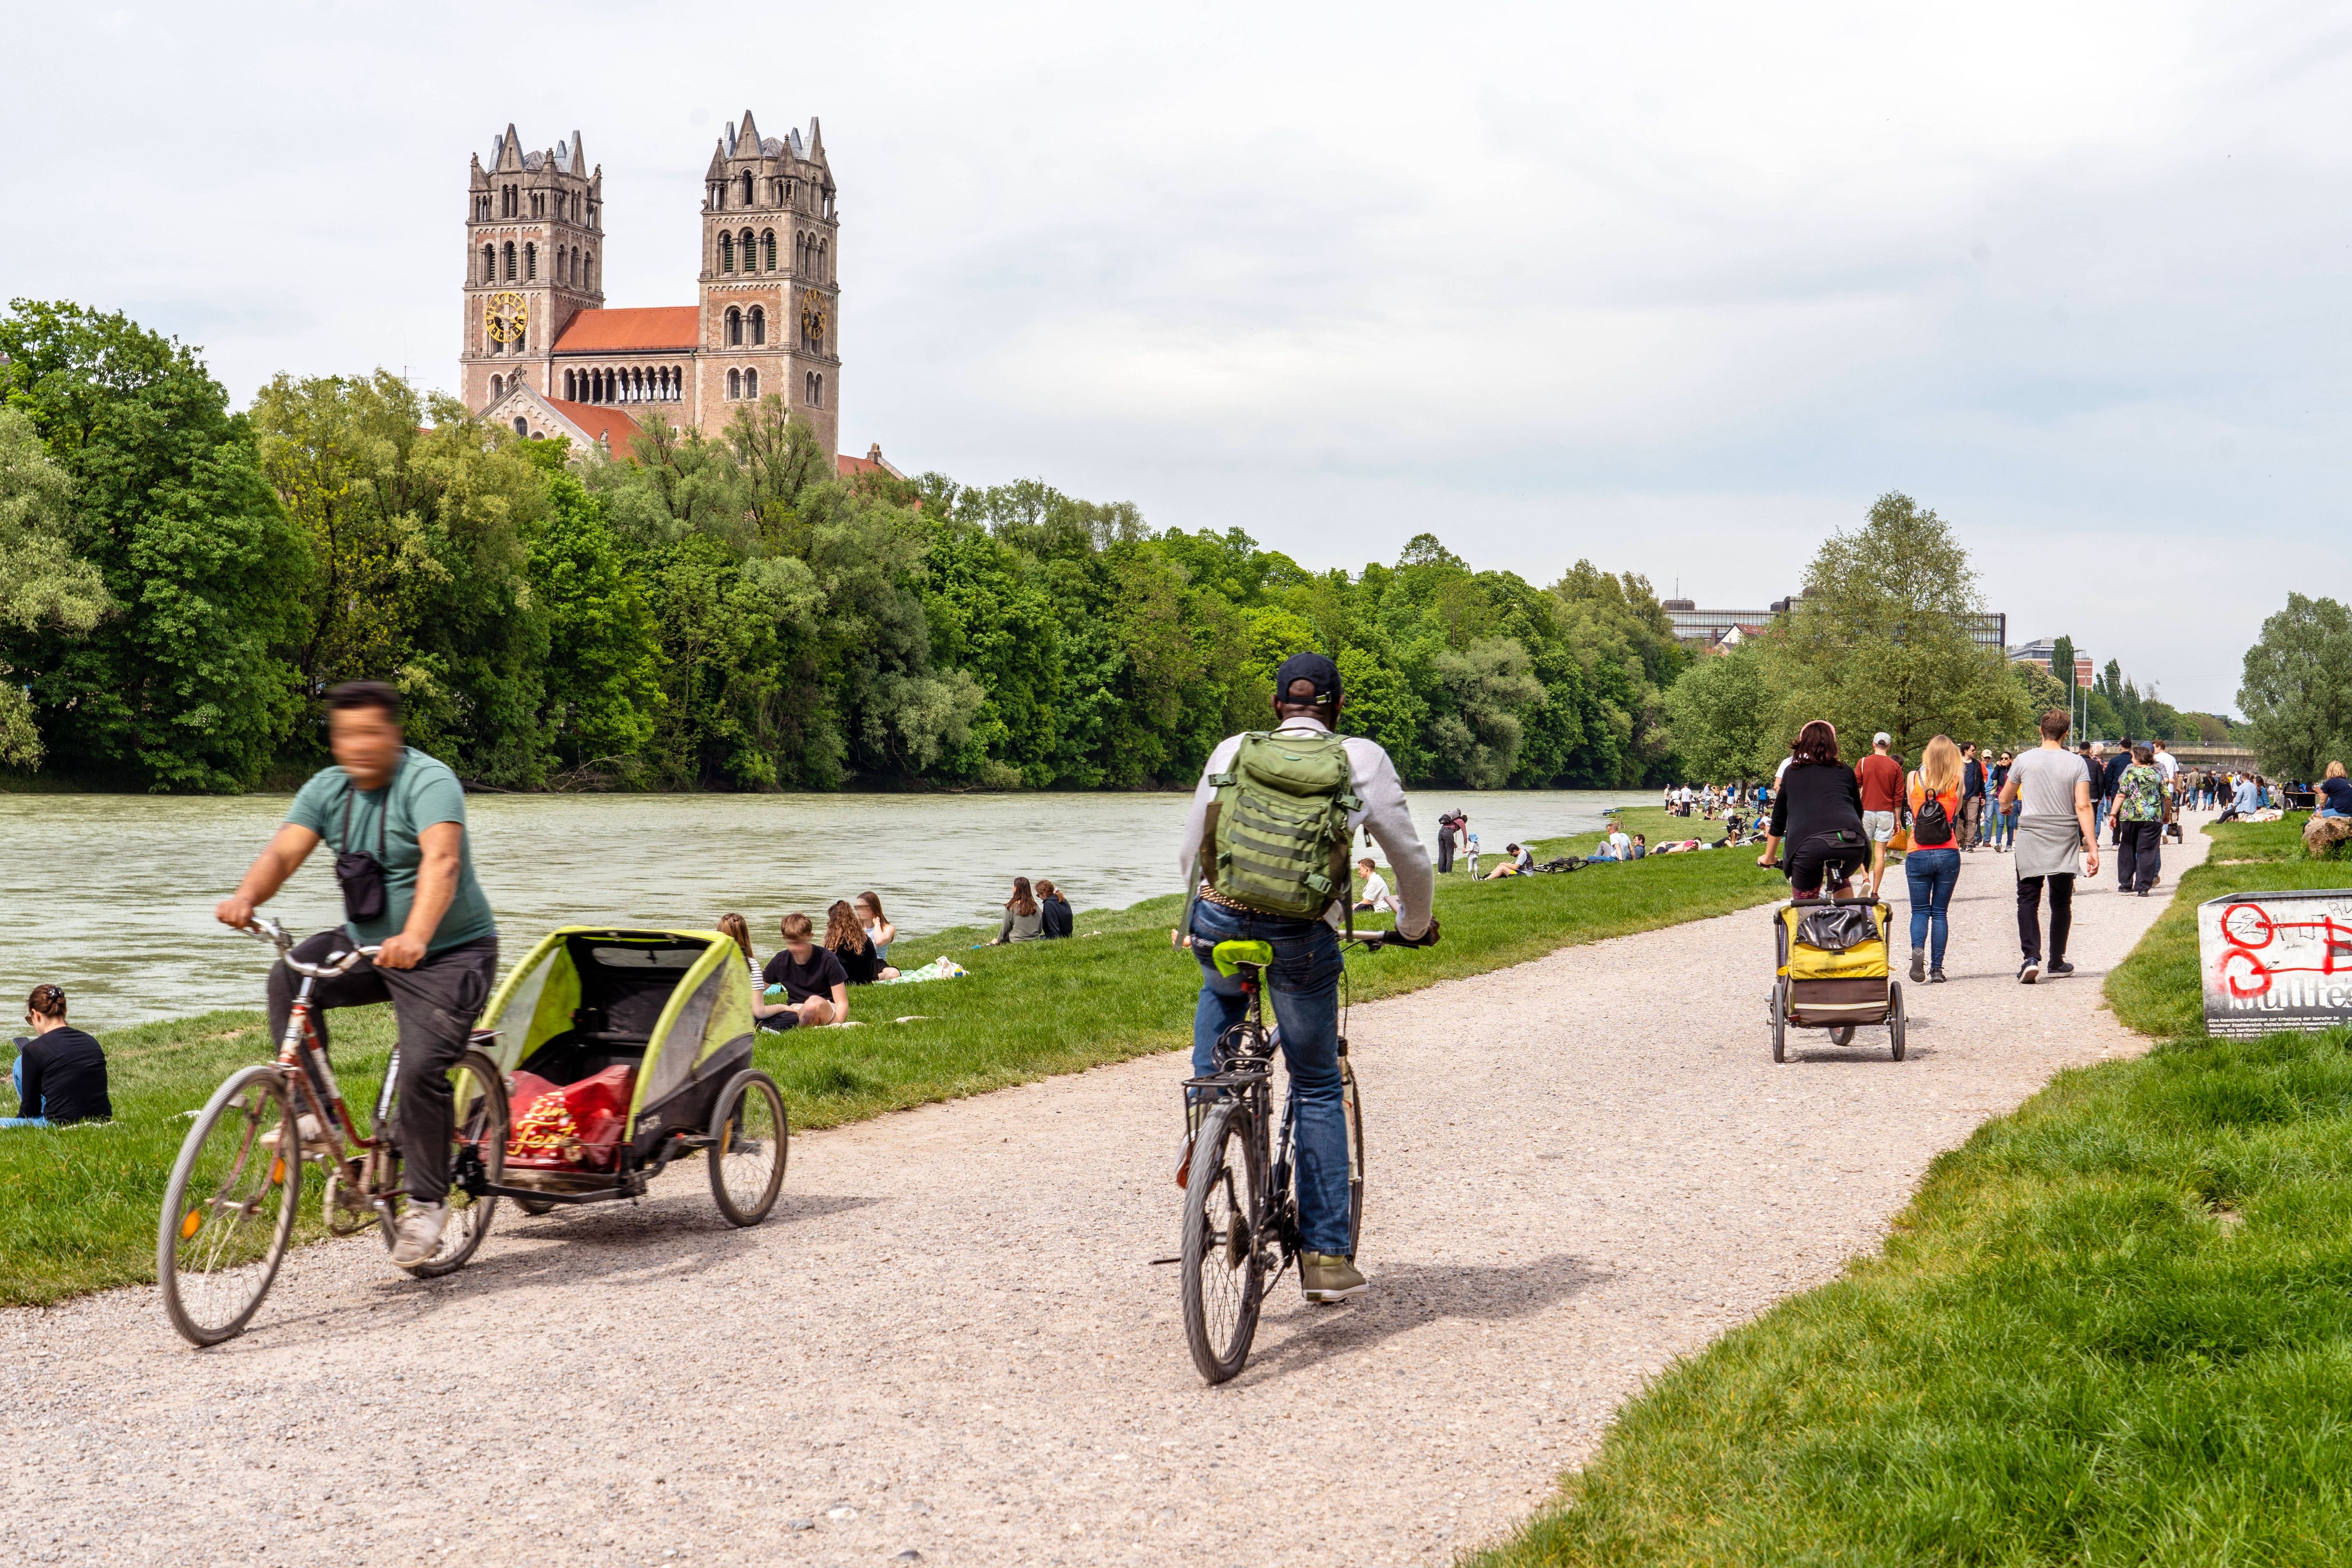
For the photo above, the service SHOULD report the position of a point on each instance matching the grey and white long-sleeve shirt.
(1384, 814)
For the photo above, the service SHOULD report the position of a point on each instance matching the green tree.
(44, 585)
(1724, 713)
(189, 685)
(1879, 640)
(2296, 689)
(602, 680)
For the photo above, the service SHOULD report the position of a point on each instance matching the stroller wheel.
(1842, 1035)
(1779, 1020)
(1895, 1019)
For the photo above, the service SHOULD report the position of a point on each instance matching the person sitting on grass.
(1053, 910)
(1376, 895)
(848, 941)
(2335, 793)
(736, 926)
(60, 1072)
(878, 929)
(806, 984)
(1641, 844)
(1522, 861)
(1024, 921)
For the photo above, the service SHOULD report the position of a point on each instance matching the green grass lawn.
(82, 1201)
(2115, 1327)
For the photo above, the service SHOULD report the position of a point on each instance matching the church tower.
(771, 247)
(534, 244)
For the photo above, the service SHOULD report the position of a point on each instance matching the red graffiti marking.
(2246, 927)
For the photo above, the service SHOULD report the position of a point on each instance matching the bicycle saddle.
(1231, 955)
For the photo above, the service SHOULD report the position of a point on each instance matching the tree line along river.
(111, 895)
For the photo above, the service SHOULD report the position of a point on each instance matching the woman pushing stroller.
(1817, 811)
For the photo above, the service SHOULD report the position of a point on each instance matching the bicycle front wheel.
(1222, 1220)
(1352, 1098)
(477, 1154)
(228, 1211)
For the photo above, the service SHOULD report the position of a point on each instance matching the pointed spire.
(510, 150)
(718, 161)
(747, 131)
(478, 180)
(817, 141)
(578, 153)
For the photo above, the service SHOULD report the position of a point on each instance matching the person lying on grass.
(806, 984)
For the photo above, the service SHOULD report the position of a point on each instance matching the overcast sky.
(1678, 291)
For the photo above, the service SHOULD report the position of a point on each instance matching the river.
(110, 896)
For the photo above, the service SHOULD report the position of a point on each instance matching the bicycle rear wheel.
(477, 1153)
(228, 1211)
(1222, 1222)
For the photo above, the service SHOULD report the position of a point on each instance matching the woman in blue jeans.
(1933, 866)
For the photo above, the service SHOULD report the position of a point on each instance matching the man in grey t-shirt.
(2052, 830)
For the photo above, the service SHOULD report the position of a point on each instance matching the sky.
(1679, 292)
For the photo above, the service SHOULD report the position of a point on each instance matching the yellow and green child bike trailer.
(1832, 973)
(626, 1051)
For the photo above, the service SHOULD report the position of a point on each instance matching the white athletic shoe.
(418, 1234)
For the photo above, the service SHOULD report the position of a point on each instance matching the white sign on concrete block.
(2276, 961)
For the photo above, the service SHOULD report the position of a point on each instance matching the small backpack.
(1931, 825)
(1277, 833)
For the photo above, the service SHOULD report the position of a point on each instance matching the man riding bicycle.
(1303, 981)
(396, 820)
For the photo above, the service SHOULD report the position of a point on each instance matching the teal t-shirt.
(422, 792)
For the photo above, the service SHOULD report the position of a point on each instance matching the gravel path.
(950, 1339)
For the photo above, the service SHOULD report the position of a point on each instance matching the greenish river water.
(111, 896)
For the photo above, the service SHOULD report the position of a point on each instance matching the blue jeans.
(2098, 815)
(1932, 874)
(1303, 986)
(16, 1077)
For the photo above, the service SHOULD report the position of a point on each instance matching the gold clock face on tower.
(505, 316)
(813, 313)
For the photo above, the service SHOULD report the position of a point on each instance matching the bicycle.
(1241, 1208)
(229, 1210)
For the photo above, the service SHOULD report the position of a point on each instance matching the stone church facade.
(543, 353)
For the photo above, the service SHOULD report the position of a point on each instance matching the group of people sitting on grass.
(1033, 915)
(59, 1072)
(807, 981)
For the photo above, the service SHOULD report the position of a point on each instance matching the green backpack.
(1277, 833)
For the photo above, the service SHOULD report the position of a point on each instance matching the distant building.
(1713, 631)
(2041, 651)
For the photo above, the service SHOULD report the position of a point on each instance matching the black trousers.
(2139, 854)
(1824, 860)
(434, 1006)
(2029, 915)
(1444, 855)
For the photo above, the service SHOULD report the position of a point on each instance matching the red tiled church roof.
(849, 467)
(644, 330)
(614, 428)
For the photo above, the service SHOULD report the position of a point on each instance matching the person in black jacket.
(60, 1072)
(1054, 909)
(2111, 780)
(1818, 811)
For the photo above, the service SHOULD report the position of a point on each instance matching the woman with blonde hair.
(734, 925)
(1933, 865)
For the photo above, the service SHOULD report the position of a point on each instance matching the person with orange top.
(1881, 778)
(1933, 865)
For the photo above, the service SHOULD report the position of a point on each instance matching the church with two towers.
(545, 355)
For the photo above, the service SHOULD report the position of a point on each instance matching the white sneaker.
(418, 1234)
(314, 1136)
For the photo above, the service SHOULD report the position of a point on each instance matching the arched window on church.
(734, 384)
(823, 257)
(588, 272)
(497, 387)
(529, 261)
(489, 263)
(758, 324)
(726, 252)
(523, 426)
(751, 384)
(800, 253)
(734, 327)
(510, 260)
(816, 389)
(750, 252)
(768, 252)
(510, 206)
(569, 387)
(746, 189)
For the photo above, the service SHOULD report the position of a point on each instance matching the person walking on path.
(2139, 824)
(1303, 982)
(2054, 827)
(1817, 811)
(1880, 778)
(1972, 797)
(2112, 789)
(396, 821)
(2095, 773)
(1933, 866)
(2004, 818)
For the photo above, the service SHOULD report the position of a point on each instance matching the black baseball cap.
(1312, 667)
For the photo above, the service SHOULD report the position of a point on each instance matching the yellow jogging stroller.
(1831, 972)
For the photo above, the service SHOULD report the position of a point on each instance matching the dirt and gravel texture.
(950, 1341)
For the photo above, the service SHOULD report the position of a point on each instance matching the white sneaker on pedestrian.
(2029, 972)
(418, 1234)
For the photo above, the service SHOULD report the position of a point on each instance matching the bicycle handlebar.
(264, 929)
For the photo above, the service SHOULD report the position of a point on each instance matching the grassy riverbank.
(2114, 1327)
(82, 1201)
